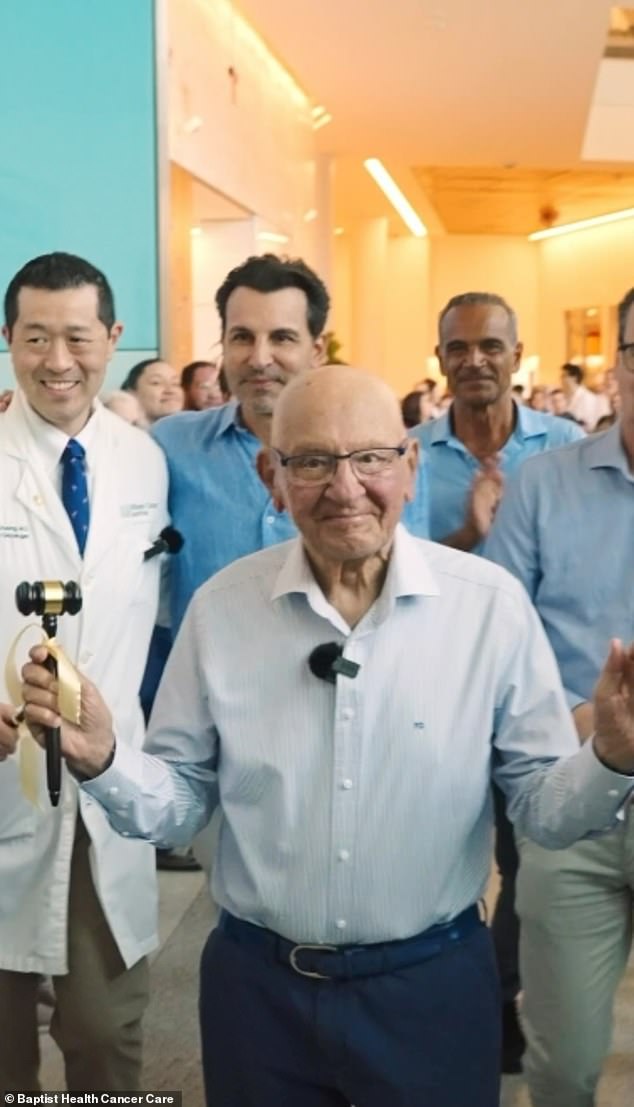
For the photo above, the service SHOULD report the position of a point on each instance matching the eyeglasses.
(626, 350)
(318, 468)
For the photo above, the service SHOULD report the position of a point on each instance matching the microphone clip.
(327, 662)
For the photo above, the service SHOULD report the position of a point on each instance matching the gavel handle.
(53, 749)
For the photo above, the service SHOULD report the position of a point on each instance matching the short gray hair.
(465, 299)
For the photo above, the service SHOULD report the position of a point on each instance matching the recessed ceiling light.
(388, 185)
(582, 224)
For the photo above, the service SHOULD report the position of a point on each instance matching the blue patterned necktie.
(75, 490)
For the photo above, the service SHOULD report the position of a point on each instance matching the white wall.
(508, 266)
(591, 268)
(217, 249)
(255, 143)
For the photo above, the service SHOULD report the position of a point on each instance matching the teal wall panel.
(78, 145)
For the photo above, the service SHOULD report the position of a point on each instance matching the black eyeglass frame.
(334, 459)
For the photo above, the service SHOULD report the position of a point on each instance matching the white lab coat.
(108, 640)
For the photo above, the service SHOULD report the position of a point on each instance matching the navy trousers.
(423, 1036)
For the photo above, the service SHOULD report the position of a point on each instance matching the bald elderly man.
(345, 698)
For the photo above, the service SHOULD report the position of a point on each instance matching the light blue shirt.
(451, 467)
(359, 812)
(565, 529)
(218, 502)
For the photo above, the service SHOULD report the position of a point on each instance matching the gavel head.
(48, 597)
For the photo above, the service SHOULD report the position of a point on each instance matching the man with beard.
(273, 312)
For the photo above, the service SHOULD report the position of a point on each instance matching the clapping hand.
(614, 709)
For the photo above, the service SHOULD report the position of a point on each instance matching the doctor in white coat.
(77, 900)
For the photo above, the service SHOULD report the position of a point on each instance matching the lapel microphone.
(169, 540)
(327, 663)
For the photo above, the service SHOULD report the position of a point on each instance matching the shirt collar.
(527, 424)
(228, 418)
(51, 441)
(605, 451)
(408, 574)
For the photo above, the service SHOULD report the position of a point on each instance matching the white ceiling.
(444, 82)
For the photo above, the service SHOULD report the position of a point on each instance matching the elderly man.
(344, 698)
(484, 437)
(82, 497)
(565, 529)
(272, 312)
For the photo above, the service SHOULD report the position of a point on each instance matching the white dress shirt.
(358, 812)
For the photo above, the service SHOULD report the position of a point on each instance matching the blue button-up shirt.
(218, 502)
(565, 528)
(451, 467)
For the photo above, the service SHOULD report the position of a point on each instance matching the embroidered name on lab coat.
(138, 511)
(9, 531)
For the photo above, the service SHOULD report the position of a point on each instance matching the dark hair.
(268, 273)
(136, 372)
(465, 299)
(56, 272)
(572, 370)
(410, 408)
(624, 310)
(187, 373)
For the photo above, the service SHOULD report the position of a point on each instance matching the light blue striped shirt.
(361, 812)
(565, 529)
(451, 467)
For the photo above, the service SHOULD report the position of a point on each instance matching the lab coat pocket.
(18, 817)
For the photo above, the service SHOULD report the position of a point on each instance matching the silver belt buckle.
(292, 959)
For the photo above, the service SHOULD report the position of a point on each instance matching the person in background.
(273, 313)
(156, 386)
(350, 963)
(417, 407)
(611, 391)
(558, 401)
(540, 399)
(124, 404)
(565, 531)
(86, 493)
(585, 406)
(202, 388)
(470, 451)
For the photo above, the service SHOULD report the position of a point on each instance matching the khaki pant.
(99, 1003)
(575, 909)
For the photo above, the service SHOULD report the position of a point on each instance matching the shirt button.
(613, 792)
(347, 713)
(270, 519)
(346, 784)
(343, 855)
(341, 924)
(113, 791)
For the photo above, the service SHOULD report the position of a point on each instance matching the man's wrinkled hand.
(614, 709)
(87, 746)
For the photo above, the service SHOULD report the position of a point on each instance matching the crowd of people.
(594, 409)
(385, 635)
